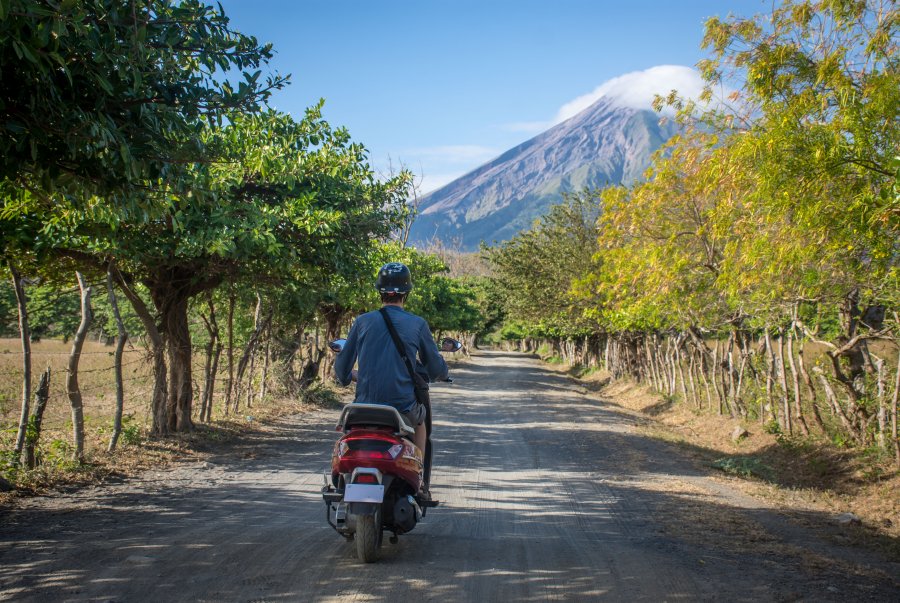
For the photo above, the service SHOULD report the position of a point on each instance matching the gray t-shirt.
(383, 377)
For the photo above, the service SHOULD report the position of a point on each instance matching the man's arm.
(429, 355)
(343, 364)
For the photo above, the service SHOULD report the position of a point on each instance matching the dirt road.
(547, 495)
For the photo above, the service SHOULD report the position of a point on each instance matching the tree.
(285, 200)
(538, 268)
(109, 94)
(818, 220)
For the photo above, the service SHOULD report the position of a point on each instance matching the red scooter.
(376, 474)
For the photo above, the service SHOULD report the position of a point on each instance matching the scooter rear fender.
(356, 508)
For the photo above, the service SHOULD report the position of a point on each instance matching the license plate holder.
(369, 493)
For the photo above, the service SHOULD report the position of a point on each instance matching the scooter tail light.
(366, 478)
(376, 449)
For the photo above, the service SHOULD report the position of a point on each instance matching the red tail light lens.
(369, 448)
(366, 478)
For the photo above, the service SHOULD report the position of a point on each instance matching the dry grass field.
(97, 384)
(95, 377)
(137, 451)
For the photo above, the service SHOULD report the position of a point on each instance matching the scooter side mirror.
(450, 345)
(337, 345)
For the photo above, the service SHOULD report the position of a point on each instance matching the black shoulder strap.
(400, 347)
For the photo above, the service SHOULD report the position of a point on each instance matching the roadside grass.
(743, 467)
(584, 372)
(792, 471)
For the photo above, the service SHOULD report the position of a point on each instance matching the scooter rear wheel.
(368, 536)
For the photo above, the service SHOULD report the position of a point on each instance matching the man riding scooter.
(387, 343)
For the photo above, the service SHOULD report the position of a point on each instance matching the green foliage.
(772, 427)
(774, 210)
(449, 305)
(785, 197)
(747, 467)
(537, 269)
(110, 93)
(157, 155)
(489, 301)
(9, 464)
(131, 432)
(57, 454)
(513, 331)
(818, 217)
(54, 311)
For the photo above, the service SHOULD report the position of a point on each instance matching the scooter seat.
(374, 415)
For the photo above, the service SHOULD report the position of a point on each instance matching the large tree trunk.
(692, 377)
(850, 315)
(37, 418)
(853, 394)
(178, 335)
(731, 383)
(882, 412)
(25, 334)
(213, 372)
(171, 288)
(676, 356)
(701, 369)
(72, 387)
(313, 359)
(743, 347)
(121, 337)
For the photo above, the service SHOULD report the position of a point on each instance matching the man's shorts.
(416, 415)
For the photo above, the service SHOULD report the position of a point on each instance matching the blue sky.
(443, 86)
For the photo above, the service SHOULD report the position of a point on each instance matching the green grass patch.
(743, 466)
(580, 371)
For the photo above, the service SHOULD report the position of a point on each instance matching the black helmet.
(394, 277)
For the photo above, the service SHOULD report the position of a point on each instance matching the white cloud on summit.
(637, 89)
(441, 165)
